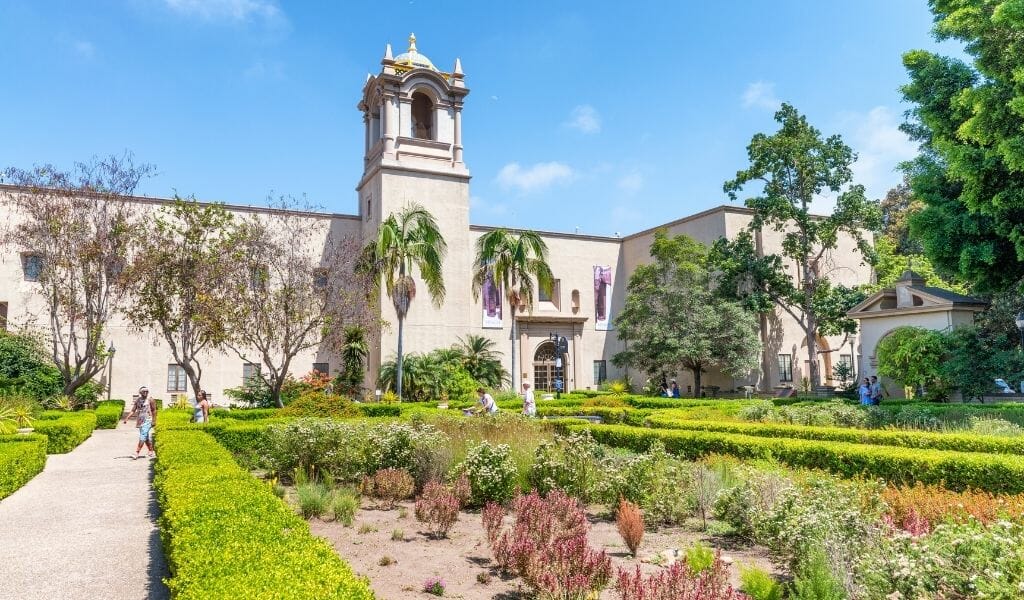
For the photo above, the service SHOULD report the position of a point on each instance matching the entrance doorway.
(544, 371)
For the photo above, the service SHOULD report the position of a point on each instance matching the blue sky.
(603, 116)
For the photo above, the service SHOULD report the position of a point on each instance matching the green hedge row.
(244, 414)
(959, 442)
(996, 473)
(22, 457)
(65, 430)
(108, 413)
(226, 535)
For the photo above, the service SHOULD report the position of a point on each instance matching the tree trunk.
(696, 381)
(275, 393)
(812, 351)
(514, 388)
(398, 361)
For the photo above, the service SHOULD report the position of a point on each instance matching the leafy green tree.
(968, 119)
(890, 266)
(482, 361)
(406, 240)
(25, 368)
(789, 170)
(974, 360)
(436, 375)
(180, 279)
(354, 351)
(515, 260)
(913, 357)
(672, 319)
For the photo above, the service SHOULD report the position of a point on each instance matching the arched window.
(422, 116)
(544, 367)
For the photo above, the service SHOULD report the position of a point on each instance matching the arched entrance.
(545, 371)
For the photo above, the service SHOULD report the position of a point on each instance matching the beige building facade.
(412, 114)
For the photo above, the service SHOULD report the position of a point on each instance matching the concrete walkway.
(85, 527)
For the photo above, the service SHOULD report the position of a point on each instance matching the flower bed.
(22, 457)
(996, 473)
(879, 437)
(226, 535)
(108, 413)
(65, 430)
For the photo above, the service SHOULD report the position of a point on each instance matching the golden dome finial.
(412, 43)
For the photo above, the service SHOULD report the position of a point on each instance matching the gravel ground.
(85, 527)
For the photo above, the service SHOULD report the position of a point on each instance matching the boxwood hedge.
(108, 413)
(65, 430)
(996, 473)
(21, 458)
(961, 442)
(226, 535)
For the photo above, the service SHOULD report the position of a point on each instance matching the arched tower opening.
(423, 117)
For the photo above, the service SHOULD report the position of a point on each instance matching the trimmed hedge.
(244, 414)
(22, 457)
(65, 430)
(108, 413)
(226, 535)
(960, 442)
(996, 473)
(381, 410)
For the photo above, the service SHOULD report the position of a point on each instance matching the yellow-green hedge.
(226, 535)
(996, 473)
(65, 430)
(960, 442)
(22, 457)
(108, 413)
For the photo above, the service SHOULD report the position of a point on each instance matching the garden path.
(85, 527)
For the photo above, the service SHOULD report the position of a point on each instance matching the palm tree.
(515, 259)
(481, 360)
(354, 351)
(404, 240)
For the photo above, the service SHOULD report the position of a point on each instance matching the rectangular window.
(322, 368)
(249, 371)
(176, 379)
(32, 266)
(3, 316)
(553, 297)
(786, 368)
(846, 359)
(600, 371)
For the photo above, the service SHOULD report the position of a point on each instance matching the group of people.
(144, 412)
(669, 391)
(489, 406)
(871, 391)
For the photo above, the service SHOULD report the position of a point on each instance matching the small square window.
(177, 380)
(250, 371)
(32, 266)
(322, 368)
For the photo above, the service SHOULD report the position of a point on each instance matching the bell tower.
(412, 113)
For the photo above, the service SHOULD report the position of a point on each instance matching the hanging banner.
(491, 297)
(602, 298)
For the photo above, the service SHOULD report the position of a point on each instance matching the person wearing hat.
(529, 403)
(144, 411)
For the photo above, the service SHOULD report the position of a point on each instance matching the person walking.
(529, 404)
(864, 391)
(876, 391)
(144, 411)
(202, 410)
(487, 403)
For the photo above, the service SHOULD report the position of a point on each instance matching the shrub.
(314, 498)
(108, 413)
(571, 463)
(655, 481)
(434, 585)
(462, 489)
(491, 473)
(65, 431)
(386, 561)
(678, 582)
(759, 585)
(699, 558)
(935, 504)
(547, 546)
(403, 446)
(493, 516)
(225, 535)
(438, 507)
(389, 486)
(344, 506)
(814, 580)
(629, 520)
(314, 403)
(913, 356)
(397, 535)
(22, 457)
(317, 445)
(25, 367)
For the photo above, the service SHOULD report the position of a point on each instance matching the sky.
(600, 117)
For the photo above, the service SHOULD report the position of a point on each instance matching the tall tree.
(792, 168)
(673, 320)
(515, 260)
(75, 232)
(968, 119)
(354, 351)
(294, 288)
(406, 240)
(180, 279)
(481, 360)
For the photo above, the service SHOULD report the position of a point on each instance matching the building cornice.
(554, 234)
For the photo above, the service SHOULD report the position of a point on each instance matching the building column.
(390, 124)
(366, 137)
(457, 146)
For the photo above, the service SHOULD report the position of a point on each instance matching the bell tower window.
(422, 116)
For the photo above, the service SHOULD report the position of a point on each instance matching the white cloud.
(631, 182)
(229, 10)
(535, 177)
(880, 147)
(761, 94)
(585, 119)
